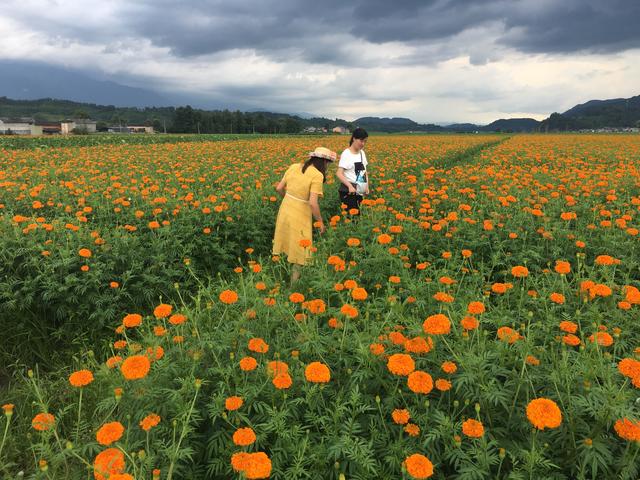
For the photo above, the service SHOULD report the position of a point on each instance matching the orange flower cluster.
(81, 378)
(418, 466)
(544, 413)
(109, 433)
(135, 367)
(401, 364)
(438, 324)
(253, 465)
(472, 428)
(150, 421)
(317, 372)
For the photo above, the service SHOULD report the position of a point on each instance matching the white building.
(83, 124)
(19, 126)
(340, 130)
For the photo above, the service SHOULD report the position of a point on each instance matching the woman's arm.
(315, 210)
(280, 188)
(343, 179)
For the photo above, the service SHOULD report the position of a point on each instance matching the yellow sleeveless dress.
(294, 221)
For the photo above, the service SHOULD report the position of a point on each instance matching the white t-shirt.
(355, 168)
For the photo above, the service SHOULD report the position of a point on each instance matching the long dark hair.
(320, 164)
(359, 133)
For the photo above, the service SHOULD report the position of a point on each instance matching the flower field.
(479, 320)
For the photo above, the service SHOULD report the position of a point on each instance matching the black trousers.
(350, 200)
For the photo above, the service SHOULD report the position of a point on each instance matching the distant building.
(68, 126)
(340, 130)
(140, 129)
(50, 128)
(118, 129)
(19, 126)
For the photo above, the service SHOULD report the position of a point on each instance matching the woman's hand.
(352, 189)
(321, 228)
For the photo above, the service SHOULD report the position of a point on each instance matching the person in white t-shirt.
(352, 172)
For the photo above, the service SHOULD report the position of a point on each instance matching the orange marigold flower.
(305, 243)
(446, 280)
(315, 306)
(276, 367)
(632, 295)
(472, 428)
(244, 436)
(420, 382)
(466, 253)
(383, 239)
(177, 319)
(476, 308)
(114, 361)
(557, 298)
(531, 360)
(258, 465)
(629, 367)
(359, 293)
(333, 322)
(84, 253)
(258, 345)
(239, 461)
(135, 367)
(418, 345)
(108, 462)
(562, 267)
(7, 409)
(569, 327)
(443, 385)
(401, 364)
(233, 403)
(121, 476)
(397, 338)
(114, 284)
(162, 311)
(349, 311)
(132, 320)
(603, 339)
(437, 324)
(317, 372)
(353, 242)
(501, 287)
(150, 421)
(418, 466)
(350, 284)
(571, 340)
(508, 334)
(628, 430)
(228, 297)
(443, 297)
(81, 378)
(43, 422)
(412, 429)
(520, 271)
(544, 413)
(248, 363)
(469, 323)
(282, 381)
(109, 433)
(296, 297)
(376, 348)
(400, 416)
(449, 367)
(606, 260)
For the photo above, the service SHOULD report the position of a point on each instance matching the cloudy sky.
(429, 60)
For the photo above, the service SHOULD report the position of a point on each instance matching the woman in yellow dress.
(300, 188)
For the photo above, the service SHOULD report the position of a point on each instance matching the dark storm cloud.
(320, 32)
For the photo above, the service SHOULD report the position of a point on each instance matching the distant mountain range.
(36, 88)
(31, 81)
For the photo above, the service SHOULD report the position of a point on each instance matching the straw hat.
(322, 152)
